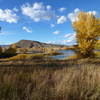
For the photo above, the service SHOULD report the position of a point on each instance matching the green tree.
(87, 29)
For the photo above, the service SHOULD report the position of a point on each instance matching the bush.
(19, 57)
(8, 53)
(1, 51)
(27, 57)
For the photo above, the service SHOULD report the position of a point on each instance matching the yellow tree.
(87, 29)
(13, 46)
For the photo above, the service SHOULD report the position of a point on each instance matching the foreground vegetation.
(48, 79)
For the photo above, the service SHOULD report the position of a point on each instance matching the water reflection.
(65, 53)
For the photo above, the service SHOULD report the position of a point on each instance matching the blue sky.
(47, 21)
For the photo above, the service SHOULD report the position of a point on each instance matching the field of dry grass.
(48, 79)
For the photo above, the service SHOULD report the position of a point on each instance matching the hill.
(30, 44)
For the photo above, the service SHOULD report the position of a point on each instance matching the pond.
(65, 53)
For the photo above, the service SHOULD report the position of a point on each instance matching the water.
(65, 53)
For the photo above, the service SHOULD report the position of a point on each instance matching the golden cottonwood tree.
(87, 29)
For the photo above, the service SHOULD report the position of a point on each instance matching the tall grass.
(63, 80)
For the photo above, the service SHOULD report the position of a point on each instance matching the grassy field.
(48, 79)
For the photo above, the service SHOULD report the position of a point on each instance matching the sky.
(48, 21)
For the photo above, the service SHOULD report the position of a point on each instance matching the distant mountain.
(30, 44)
(4, 45)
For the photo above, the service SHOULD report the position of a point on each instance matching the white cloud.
(57, 16)
(51, 42)
(92, 12)
(15, 9)
(56, 32)
(52, 25)
(37, 11)
(62, 9)
(26, 29)
(61, 20)
(70, 38)
(49, 7)
(8, 15)
(67, 35)
(74, 15)
(77, 10)
(2, 43)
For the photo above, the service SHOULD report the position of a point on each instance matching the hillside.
(31, 44)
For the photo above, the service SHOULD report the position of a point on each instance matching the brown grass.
(50, 80)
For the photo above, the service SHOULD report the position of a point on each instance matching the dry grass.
(79, 83)
(74, 56)
(31, 56)
(25, 57)
(63, 80)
